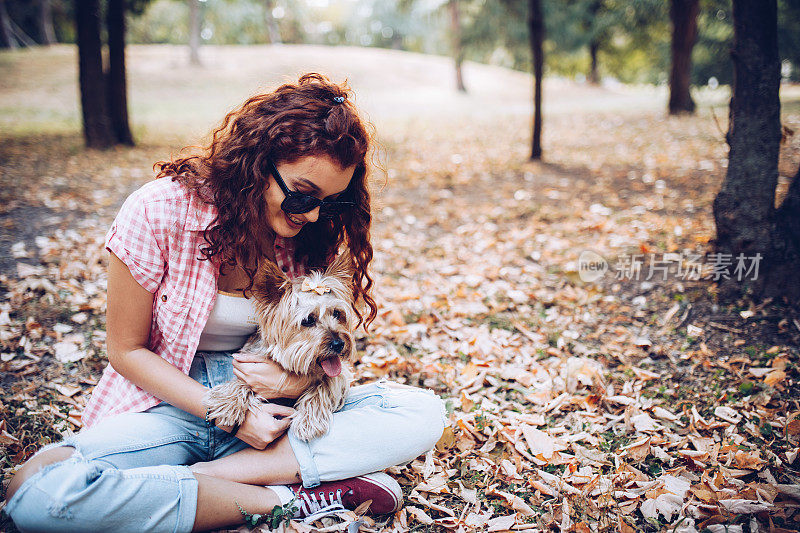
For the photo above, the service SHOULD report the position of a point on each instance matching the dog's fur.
(288, 337)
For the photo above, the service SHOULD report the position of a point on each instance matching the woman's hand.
(263, 424)
(267, 378)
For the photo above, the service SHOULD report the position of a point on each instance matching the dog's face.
(309, 320)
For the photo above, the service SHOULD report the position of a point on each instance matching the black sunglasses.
(296, 203)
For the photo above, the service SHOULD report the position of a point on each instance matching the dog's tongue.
(332, 366)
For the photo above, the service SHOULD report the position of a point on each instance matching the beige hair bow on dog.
(315, 286)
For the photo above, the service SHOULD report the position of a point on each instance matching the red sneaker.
(329, 497)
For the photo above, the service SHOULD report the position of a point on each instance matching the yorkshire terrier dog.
(305, 325)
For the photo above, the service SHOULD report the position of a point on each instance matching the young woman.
(284, 179)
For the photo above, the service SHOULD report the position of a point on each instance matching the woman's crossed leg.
(128, 473)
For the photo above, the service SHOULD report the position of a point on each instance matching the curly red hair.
(313, 117)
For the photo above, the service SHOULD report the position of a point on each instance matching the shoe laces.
(315, 508)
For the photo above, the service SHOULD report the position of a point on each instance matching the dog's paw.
(214, 399)
(307, 428)
(227, 403)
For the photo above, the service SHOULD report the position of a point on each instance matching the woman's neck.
(235, 279)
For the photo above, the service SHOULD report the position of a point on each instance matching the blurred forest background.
(627, 41)
(513, 138)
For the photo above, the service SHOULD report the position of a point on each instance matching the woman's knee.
(427, 417)
(36, 463)
(435, 416)
(32, 509)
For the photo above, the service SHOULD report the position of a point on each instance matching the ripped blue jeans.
(129, 472)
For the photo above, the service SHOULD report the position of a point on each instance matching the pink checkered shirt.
(157, 234)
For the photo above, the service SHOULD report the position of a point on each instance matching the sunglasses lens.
(329, 211)
(299, 204)
(334, 209)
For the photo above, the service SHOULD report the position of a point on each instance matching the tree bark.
(96, 125)
(594, 43)
(194, 32)
(116, 79)
(683, 14)
(458, 48)
(6, 36)
(272, 25)
(594, 76)
(46, 32)
(781, 278)
(536, 34)
(744, 209)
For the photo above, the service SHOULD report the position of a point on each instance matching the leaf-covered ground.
(619, 404)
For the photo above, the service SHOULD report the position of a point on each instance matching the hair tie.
(338, 99)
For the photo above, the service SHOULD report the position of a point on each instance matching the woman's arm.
(128, 316)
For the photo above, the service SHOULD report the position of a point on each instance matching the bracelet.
(280, 514)
(252, 519)
(234, 429)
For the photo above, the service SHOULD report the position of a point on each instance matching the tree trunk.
(683, 14)
(194, 32)
(590, 27)
(116, 80)
(272, 25)
(781, 276)
(458, 48)
(6, 36)
(536, 34)
(744, 209)
(96, 126)
(594, 76)
(46, 32)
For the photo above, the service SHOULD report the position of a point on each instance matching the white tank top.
(232, 321)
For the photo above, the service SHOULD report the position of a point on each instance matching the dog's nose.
(337, 345)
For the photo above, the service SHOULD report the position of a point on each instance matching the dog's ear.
(342, 268)
(270, 283)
